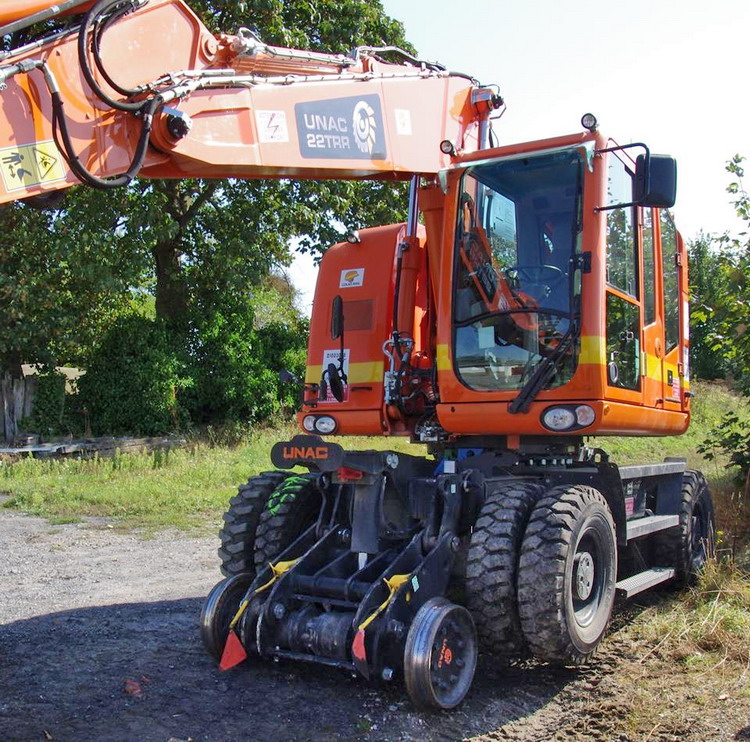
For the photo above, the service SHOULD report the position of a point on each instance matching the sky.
(670, 73)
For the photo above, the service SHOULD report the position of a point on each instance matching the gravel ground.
(99, 641)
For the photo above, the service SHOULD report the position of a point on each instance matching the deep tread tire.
(241, 522)
(687, 547)
(570, 526)
(492, 567)
(291, 510)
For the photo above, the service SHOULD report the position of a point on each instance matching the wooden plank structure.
(90, 447)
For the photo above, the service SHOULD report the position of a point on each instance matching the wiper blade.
(504, 312)
(544, 372)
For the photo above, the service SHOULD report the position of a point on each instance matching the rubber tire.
(280, 524)
(558, 525)
(675, 548)
(241, 522)
(492, 567)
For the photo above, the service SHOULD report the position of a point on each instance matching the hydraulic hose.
(90, 23)
(100, 27)
(59, 124)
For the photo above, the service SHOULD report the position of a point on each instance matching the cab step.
(631, 586)
(650, 524)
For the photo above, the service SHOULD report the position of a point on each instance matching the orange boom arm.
(111, 99)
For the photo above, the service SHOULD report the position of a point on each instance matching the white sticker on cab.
(351, 277)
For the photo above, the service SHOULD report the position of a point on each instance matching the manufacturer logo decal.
(341, 128)
(365, 128)
(351, 277)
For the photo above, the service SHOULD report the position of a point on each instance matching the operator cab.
(548, 296)
(569, 293)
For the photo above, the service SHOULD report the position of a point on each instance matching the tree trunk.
(171, 291)
(10, 366)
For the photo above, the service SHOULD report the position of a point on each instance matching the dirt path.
(85, 608)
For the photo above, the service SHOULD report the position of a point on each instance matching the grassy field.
(190, 487)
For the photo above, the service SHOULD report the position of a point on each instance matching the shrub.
(730, 437)
(133, 379)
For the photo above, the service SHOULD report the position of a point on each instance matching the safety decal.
(334, 357)
(30, 165)
(271, 126)
(403, 121)
(351, 277)
(342, 128)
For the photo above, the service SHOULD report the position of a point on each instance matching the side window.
(671, 281)
(621, 255)
(623, 344)
(623, 310)
(649, 307)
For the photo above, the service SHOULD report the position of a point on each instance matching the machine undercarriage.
(396, 567)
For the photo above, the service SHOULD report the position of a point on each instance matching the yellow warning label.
(30, 165)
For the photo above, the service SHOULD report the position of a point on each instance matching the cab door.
(671, 264)
(652, 357)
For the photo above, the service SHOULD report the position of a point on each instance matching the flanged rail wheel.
(492, 565)
(241, 521)
(440, 655)
(219, 609)
(567, 574)
(687, 547)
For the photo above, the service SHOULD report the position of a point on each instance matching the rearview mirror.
(337, 318)
(655, 181)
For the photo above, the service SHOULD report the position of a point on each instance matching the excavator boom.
(108, 99)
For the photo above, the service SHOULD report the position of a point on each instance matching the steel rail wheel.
(567, 574)
(440, 655)
(219, 609)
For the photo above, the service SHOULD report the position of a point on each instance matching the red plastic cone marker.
(233, 653)
(358, 646)
(360, 653)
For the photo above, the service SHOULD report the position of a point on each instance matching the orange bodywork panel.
(363, 275)
(14, 10)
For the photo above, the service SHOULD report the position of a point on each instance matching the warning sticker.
(334, 357)
(33, 164)
(272, 126)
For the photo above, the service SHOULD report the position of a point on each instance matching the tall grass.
(190, 486)
(709, 624)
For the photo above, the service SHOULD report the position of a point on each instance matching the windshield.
(516, 289)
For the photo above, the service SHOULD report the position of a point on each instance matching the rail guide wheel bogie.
(218, 610)
(440, 655)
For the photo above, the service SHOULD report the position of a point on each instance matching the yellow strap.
(278, 569)
(393, 584)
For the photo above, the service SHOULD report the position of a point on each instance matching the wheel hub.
(584, 575)
(440, 655)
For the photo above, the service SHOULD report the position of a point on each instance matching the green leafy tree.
(707, 286)
(61, 282)
(191, 243)
(726, 285)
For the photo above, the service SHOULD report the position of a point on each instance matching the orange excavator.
(536, 295)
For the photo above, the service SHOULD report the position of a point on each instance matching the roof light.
(447, 148)
(588, 121)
